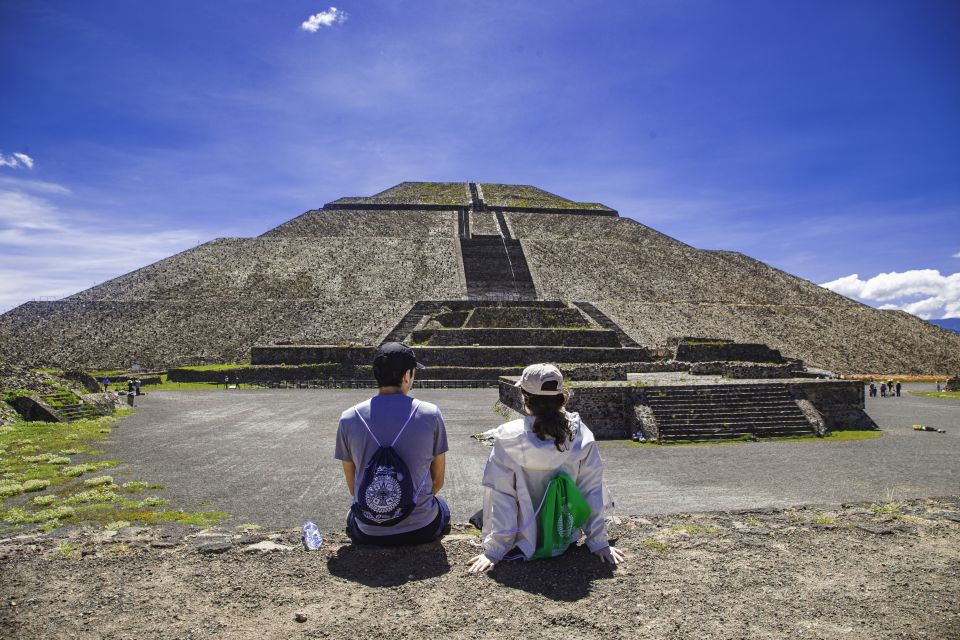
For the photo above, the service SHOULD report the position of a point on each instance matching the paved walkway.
(267, 457)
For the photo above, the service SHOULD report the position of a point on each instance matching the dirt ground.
(857, 571)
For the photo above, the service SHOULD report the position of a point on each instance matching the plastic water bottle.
(311, 536)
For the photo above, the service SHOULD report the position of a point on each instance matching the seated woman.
(527, 454)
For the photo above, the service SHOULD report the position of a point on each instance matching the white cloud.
(326, 18)
(50, 250)
(957, 254)
(923, 292)
(16, 160)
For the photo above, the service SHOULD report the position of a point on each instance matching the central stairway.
(715, 412)
(496, 269)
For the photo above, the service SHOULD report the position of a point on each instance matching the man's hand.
(480, 564)
(610, 554)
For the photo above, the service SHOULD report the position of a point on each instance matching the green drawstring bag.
(562, 513)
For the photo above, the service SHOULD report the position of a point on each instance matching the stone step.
(701, 402)
(729, 418)
(731, 436)
(736, 406)
(731, 424)
(699, 390)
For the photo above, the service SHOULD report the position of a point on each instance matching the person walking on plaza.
(883, 389)
(873, 390)
(393, 448)
(136, 386)
(550, 445)
(898, 389)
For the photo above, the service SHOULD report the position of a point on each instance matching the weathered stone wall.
(506, 337)
(526, 317)
(448, 356)
(746, 370)
(602, 409)
(840, 402)
(726, 351)
(263, 374)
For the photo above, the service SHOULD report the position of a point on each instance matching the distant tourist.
(898, 389)
(226, 382)
(938, 386)
(532, 457)
(873, 390)
(393, 448)
(136, 385)
(883, 389)
(106, 385)
(130, 386)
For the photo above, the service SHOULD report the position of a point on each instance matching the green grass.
(693, 529)
(934, 394)
(656, 545)
(41, 486)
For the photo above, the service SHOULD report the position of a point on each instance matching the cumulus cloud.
(326, 18)
(16, 160)
(50, 247)
(923, 292)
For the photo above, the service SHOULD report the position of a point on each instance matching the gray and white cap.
(541, 380)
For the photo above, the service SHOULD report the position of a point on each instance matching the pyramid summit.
(353, 271)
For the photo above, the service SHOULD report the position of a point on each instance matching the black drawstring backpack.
(384, 494)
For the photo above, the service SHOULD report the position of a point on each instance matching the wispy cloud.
(957, 254)
(16, 160)
(50, 248)
(326, 18)
(939, 295)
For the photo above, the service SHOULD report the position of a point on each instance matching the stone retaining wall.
(517, 356)
(508, 337)
(726, 352)
(615, 410)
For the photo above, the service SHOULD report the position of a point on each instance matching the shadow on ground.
(388, 567)
(567, 578)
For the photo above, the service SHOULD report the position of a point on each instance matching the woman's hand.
(610, 554)
(480, 564)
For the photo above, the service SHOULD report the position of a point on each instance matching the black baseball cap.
(398, 356)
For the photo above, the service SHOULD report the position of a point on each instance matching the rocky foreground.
(857, 571)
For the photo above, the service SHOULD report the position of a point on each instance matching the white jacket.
(516, 477)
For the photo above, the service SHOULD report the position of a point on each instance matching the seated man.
(392, 448)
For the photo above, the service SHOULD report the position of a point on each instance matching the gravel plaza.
(266, 457)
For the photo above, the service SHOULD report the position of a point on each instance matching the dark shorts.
(423, 535)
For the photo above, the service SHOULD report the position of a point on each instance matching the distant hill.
(951, 324)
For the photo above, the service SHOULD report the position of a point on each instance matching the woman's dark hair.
(386, 375)
(549, 418)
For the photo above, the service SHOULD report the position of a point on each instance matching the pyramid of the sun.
(349, 272)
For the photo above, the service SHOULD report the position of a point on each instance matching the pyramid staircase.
(69, 407)
(724, 412)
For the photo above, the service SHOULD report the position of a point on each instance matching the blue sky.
(820, 137)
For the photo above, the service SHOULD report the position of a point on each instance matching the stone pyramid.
(349, 273)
